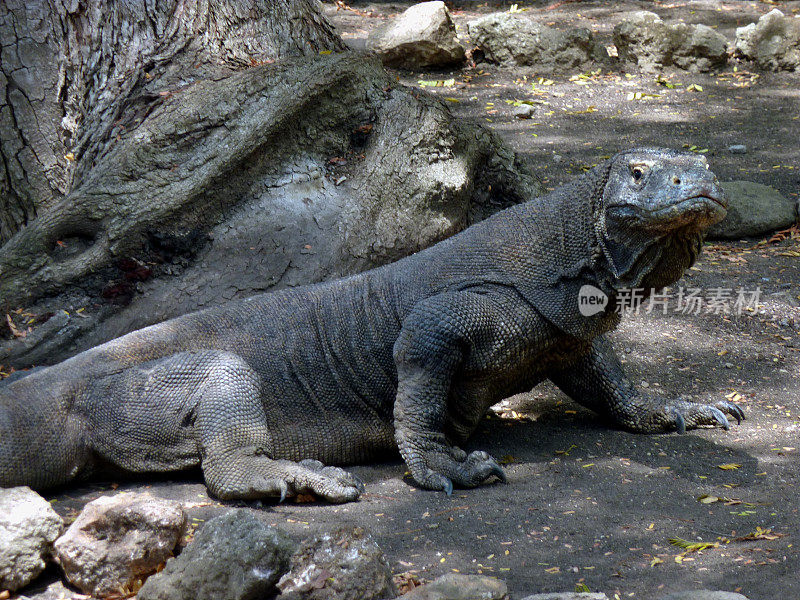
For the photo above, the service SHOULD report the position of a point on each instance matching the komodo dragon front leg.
(598, 382)
(442, 336)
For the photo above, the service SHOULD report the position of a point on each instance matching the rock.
(524, 111)
(56, 590)
(234, 556)
(567, 596)
(28, 528)
(344, 565)
(754, 209)
(773, 42)
(455, 586)
(117, 541)
(511, 39)
(423, 36)
(737, 149)
(645, 39)
(703, 595)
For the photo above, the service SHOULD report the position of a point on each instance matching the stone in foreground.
(344, 565)
(423, 36)
(753, 209)
(703, 595)
(457, 586)
(568, 596)
(28, 528)
(117, 541)
(232, 557)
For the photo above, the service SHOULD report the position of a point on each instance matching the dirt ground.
(586, 503)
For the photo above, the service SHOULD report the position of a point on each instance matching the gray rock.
(524, 111)
(703, 595)
(28, 528)
(455, 586)
(754, 209)
(234, 556)
(568, 596)
(117, 541)
(737, 149)
(645, 39)
(773, 42)
(56, 590)
(344, 565)
(512, 39)
(423, 36)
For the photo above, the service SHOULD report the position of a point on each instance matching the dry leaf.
(14, 330)
(761, 534)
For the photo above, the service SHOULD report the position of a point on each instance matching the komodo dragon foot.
(690, 415)
(440, 467)
(282, 478)
(657, 415)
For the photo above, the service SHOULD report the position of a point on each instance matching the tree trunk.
(180, 156)
(74, 76)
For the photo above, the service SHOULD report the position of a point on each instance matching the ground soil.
(585, 503)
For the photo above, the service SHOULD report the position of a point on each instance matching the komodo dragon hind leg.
(236, 444)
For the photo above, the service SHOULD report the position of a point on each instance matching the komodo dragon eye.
(638, 171)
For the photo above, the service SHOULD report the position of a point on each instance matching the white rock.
(457, 586)
(645, 39)
(28, 528)
(117, 541)
(423, 36)
(773, 42)
(512, 39)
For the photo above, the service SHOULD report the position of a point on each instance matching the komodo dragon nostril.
(676, 180)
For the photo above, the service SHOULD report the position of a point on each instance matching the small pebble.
(523, 111)
(557, 158)
(728, 365)
(737, 149)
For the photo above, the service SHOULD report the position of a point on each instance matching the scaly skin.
(261, 393)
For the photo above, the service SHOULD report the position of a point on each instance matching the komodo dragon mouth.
(701, 210)
(721, 201)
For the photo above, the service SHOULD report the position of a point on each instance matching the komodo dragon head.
(655, 209)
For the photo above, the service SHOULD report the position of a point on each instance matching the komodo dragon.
(261, 392)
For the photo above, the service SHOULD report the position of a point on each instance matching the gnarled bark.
(75, 76)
